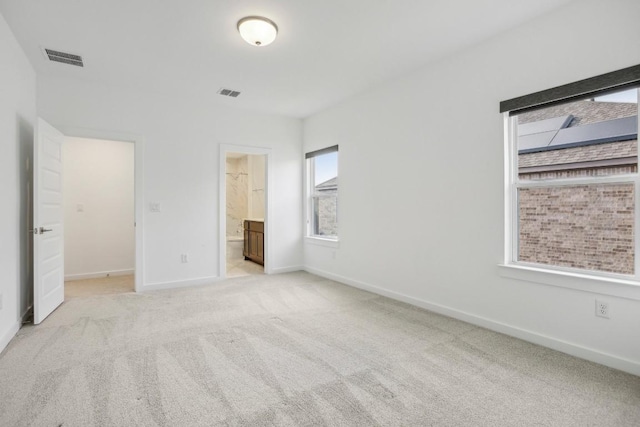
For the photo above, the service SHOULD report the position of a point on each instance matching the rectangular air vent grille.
(65, 58)
(229, 92)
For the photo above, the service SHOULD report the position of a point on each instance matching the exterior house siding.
(327, 214)
(579, 226)
(326, 208)
(583, 226)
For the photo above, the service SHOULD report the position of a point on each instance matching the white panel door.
(48, 254)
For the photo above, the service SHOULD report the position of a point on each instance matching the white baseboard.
(26, 314)
(180, 283)
(99, 274)
(626, 365)
(8, 336)
(291, 269)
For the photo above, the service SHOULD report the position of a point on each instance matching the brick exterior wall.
(327, 210)
(584, 226)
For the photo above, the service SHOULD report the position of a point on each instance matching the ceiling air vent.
(65, 58)
(228, 92)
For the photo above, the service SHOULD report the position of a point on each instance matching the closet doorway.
(99, 216)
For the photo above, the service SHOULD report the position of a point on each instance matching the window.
(572, 167)
(322, 207)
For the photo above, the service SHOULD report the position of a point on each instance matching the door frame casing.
(222, 215)
(138, 143)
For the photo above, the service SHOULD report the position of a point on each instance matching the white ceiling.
(326, 50)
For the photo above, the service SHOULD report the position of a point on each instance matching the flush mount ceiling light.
(257, 31)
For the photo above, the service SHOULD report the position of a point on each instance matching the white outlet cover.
(602, 309)
(154, 207)
(80, 207)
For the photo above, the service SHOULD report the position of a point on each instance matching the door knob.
(45, 230)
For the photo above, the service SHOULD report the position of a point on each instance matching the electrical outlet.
(602, 309)
(154, 207)
(0, 301)
(184, 258)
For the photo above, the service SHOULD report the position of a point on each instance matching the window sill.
(622, 288)
(320, 241)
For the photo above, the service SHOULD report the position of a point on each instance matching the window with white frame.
(572, 178)
(322, 190)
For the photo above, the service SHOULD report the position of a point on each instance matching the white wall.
(98, 207)
(181, 149)
(17, 118)
(421, 182)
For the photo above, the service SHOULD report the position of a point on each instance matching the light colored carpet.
(99, 286)
(291, 350)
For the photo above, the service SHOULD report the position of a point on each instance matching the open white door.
(48, 248)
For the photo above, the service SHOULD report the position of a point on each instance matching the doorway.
(48, 213)
(244, 211)
(99, 216)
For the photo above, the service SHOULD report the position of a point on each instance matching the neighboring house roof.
(576, 124)
(532, 140)
(617, 150)
(583, 134)
(331, 184)
(583, 112)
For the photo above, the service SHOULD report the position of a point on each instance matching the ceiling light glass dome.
(257, 31)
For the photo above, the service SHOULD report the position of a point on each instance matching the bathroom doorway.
(245, 212)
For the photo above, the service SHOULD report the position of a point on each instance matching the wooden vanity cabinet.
(254, 241)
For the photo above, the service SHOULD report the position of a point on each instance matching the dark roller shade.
(321, 152)
(587, 88)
